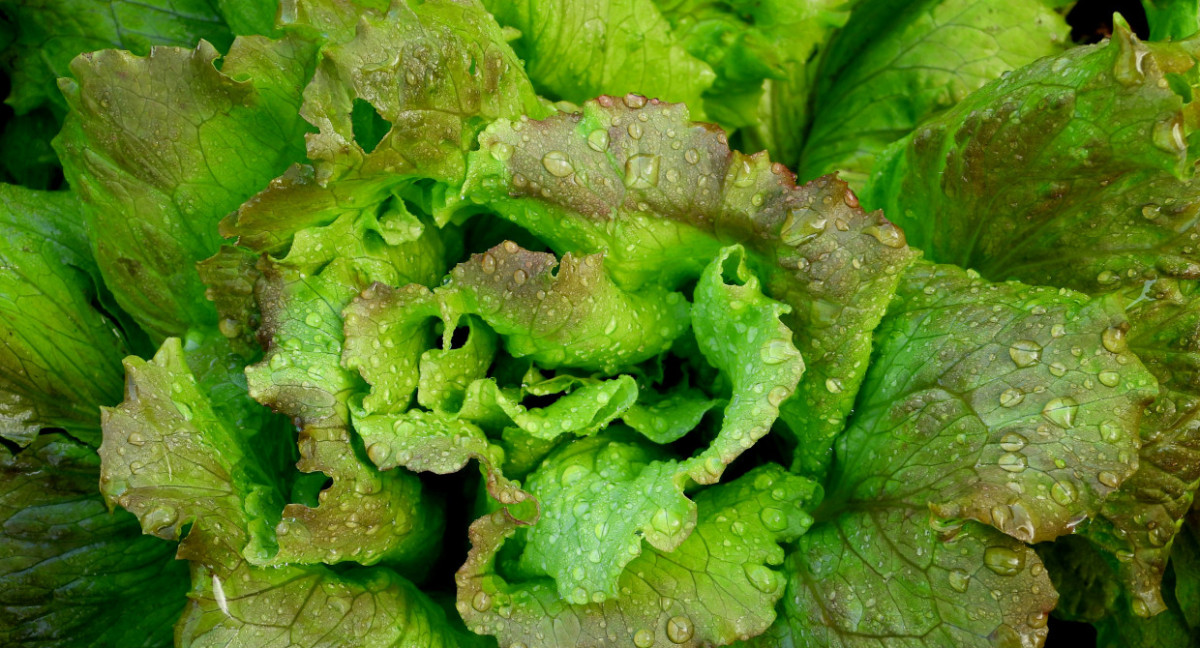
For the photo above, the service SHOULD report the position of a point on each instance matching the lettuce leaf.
(660, 196)
(977, 428)
(179, 144)
(719, 585)
(895, 64)
(1077, 171)
(72, 573)
(175, 465)
(61, 354)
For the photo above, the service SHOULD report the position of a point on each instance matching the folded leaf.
(445, 71)
(720, 585)
(52, 32)
(171, 462)
(364, 516)
(750, 44)
(427, 442)
(169, 459)
(160, 148)
(61, 355)
(985, 405)
(1138, 523)
(576, 50)
(660, 196)
(895, 64)
(566, 313)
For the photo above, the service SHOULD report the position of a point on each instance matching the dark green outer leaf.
(61, 355)
(50, 33)
(71, 572)
(896, 63)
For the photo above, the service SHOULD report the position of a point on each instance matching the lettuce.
(447, 323)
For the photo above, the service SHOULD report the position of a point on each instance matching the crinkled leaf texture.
(1077, 171)
(659, 196)
(171, 462)
(52, 32)
(983, 422)
(159, 148)
(719, 585)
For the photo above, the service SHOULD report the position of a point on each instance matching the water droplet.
(1058, 369)
(1003, 561)
(1037, 620)
(664, 522)
(635, 130)
(763, 579)
(482, 601)
(159, 518)
(313, 320)
(888, 234)
(959, 580)
(777, 352)
(777, 395)
(1025, 353)
(1110, 431)
(1127, 69)
(1109, 479)
(136, 439)
(1160, 535)
(519, 277)
(801, 225)
(557, 164)
(379, 453)
(598, 140)
(572, 474)
(643, 638)
(1011, 397)
(1063, 492)
(1109, 378)
(1061, 411)
(1013, 463)
(1140, 608)
(679, 629)
(773, 519)
(635, 101)
(641, 171)
(1168, 135)
(833, 385)
(229, 327)
(1113, 338)
(743, 175)
(1013, 442)
(502, 151)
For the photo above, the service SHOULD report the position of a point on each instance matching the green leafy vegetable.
(443, 324)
